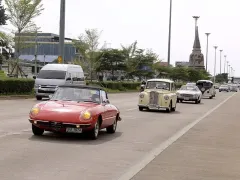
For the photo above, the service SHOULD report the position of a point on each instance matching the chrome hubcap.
(115, 125)
(96, 129)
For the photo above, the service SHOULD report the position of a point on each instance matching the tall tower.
(196, 59)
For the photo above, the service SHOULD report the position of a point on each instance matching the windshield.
(76, 94)
(190, 88)
(158, 85)
(204, 84)
(51, 74)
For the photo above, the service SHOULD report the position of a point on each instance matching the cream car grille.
(154, 98)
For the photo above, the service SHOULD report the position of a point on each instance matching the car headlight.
(166, 97)
(86, 115)
(141, 95)
(35, 111)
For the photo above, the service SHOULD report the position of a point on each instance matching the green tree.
(21, 16)
(3, 16)
(179, 73)
(87, 45)
(111, 60)
(220, 78)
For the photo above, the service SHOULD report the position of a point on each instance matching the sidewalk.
(208, 151)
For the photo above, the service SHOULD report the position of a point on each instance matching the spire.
(196, 45)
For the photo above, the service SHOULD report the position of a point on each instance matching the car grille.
(187, 95)
(154, 98)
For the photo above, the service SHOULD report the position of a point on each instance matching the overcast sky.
(124, 21)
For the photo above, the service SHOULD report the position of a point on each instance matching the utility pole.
(36, 51)
(62, 30)
(169, 33)
(225, 61)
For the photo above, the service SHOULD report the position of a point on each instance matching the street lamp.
(215, 47)
(36, 50)
(225, 56)
(62, 30)
(207, 34)
(169, 33)
(221, 61)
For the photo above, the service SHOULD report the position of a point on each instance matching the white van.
(53, 75)
(207, 88)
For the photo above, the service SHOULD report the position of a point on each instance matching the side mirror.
(106, 101)
(34, 77)
(50, 96)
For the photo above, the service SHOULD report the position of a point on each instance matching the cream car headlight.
(35, 111)
(166, 97)
(86, 115)
(141, 95)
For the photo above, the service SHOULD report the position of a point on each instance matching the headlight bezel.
(166, 97)
(35, 111)
(86, 115)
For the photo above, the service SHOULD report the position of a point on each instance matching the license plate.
(186, 98)
(73, 130)
(153, 107)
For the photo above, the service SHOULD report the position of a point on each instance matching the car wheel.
(196, 101)
(178, 101)
(199, 101)
(219, 91)
(112, 129)
(174, 108)
(140, 108)
(210, 97)
(95, 131)
(38, 98)
(169, 109)
(37, 131)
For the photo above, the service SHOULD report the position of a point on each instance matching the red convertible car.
(75, 109)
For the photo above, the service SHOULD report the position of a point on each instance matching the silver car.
(189, 93)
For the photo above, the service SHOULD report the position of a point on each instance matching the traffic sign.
(59, 59)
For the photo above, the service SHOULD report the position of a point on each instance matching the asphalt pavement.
(54, 156)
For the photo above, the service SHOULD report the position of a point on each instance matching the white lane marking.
(132, 109)
(155, 152)
(14, 133)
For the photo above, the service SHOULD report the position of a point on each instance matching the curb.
(13, 97)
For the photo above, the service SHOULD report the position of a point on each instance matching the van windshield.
(51, 74)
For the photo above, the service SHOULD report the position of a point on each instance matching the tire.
(140, 108)
(112, 129)
(210, 97)
(39, 98)
(196, 101)
(199, 101)
(169, 109)
(174, 108)
(93, 134)
(37, 131)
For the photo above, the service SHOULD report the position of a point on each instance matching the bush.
(2, 74)
(121, 86)
(16, 86)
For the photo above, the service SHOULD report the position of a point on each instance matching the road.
(52, 156)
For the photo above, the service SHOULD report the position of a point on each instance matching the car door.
(106, 114)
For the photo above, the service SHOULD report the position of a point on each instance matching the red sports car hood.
(62, 111)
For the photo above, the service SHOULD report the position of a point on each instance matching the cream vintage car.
(158, 94)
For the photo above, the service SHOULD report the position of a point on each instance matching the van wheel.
(38, 98)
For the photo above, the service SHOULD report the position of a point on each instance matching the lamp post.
(220, 61)
(225, 60)
(207, 34)
(215, 47)
(62, 30)
(169, 33)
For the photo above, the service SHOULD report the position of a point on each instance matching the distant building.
(181, 63)
(47, 47)
(163, 63)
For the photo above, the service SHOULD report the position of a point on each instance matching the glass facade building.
(45, 46)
